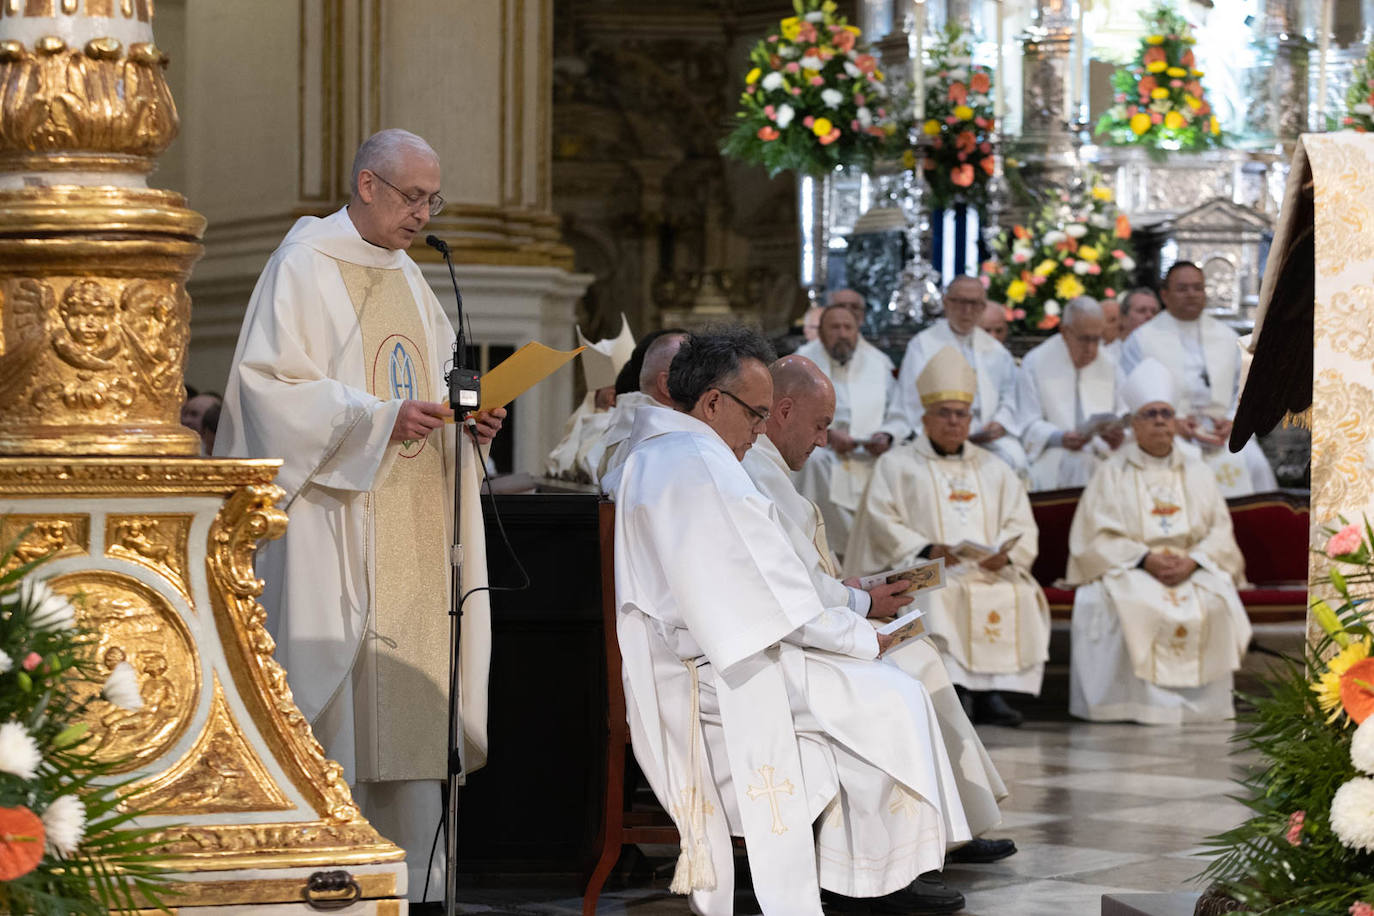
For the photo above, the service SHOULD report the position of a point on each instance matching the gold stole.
(401, 709)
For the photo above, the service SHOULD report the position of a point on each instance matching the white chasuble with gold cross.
(1182, 636)
(993, 627)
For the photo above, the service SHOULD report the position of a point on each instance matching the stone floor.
(1094, 809)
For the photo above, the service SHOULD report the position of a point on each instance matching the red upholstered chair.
(1273, 532)
(1053, 511)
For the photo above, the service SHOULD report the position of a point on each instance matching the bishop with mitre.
(926, 499)
(1158, 627)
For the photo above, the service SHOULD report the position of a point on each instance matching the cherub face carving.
(88, 312)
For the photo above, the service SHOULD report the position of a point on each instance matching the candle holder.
(998, 194)
(917, 294)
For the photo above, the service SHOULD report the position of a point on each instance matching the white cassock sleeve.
(1099, 539)
(1217, 550)
(1036, 432)
(281, 400)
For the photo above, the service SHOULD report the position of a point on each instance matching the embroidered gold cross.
(1172, 597)
(903, 802)
(771, 790)
(1228, 474)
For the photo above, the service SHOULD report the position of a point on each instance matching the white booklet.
(908, 626)
(973, 552)
(1099, 424)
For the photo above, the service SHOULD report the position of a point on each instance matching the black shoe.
(965, 700)
(991, 709)
(982, 850)
(926, 895)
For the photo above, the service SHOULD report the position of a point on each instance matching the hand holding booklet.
(973, 552)
(925, 575)
(1099, 424)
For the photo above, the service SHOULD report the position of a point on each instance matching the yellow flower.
(963, 112)
(1159, 92)
(829, 7)
(930, 128)
(1177, 72)
(1154, 40)
(1173, 120)
(1215, 127)
(1193, 103)
(878, 75)
(908, 159)
(1157, 66)
(752, 76)
(1198, 73)
(1140, 123)
(1046, 267)
(1103, 193)
(1067, 287)
(1088, 253)
(822, 126)
(854, 29)
(1327, 687)
(1016, 291)
(791, 27)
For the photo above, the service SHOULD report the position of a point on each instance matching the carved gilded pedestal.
(154, 546)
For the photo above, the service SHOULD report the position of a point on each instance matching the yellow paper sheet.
(521, 371)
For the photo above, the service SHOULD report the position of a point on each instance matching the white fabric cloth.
(1204, 358)
(297, 390)
(1052, 398)
(713, 603)
(993, 628)
(866, 403)
(995, 400)
(584, 428)
(1143, 650)
(608, 452)
(979, 784)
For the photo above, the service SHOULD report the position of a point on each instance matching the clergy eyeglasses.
(434, 203)
(1156, 413)
(759, 416)
(955, 414)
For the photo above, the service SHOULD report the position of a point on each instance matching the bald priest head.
(946, 386)
(803, 409)
(721, 377)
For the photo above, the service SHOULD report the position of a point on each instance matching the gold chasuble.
(401, 690)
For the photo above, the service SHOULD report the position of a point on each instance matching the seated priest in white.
(1158, 627)
(1065, 384)
(609, 452)
(600, 363)
(803, 406)
(928, 498)
(1204, 355)
(994, 398)
(740, 683)
(868, 419)
(1137, 307)
(994, 321)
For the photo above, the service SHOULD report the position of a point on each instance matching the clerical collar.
(944, 454)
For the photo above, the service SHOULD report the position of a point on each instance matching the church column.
(319, 76)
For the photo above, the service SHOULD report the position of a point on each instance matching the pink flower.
(1345, 541)
(1156, 118)
(792, 67)
(1177, 84)
(1109, 293)
(1131, 111)
(859, 96)
(1094, 270)
(826, 53)
(981, 121)
(1018, 314)
(854, 124)
(808, 121)
(818, 81)
(985, 280)
(1037, 280)
(1118, 253)
(796, 90)
(1360, 908)
(770, 111)
(1294, 834)
(750, 89)
(951, 119)
(1068, 262)
(1121, 97)
(882, 112)
(773, 39)
(32, 661)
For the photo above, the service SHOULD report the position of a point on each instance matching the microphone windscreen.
(438, 244)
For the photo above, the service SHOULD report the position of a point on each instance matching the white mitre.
(1149, 383)
(947, 377)
(603, 360)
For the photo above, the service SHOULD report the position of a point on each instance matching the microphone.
(438, 244)
(464, 384)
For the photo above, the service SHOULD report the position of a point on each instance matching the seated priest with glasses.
(943, 496)
(1158, 627)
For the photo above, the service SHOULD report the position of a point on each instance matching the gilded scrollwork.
(1341, 472)
(47, 537)
(156, 542)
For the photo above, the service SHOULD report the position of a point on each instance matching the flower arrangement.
(1308, 846)
(1159, 101)
(1078, 244)
(65, 847)
(1359, 98)
(814, 98)
(959, 122)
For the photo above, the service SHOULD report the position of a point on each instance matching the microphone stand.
(463, 392)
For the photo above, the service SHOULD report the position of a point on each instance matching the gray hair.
(382, 148)
(658, 357)
(1081, 307)
(712, 358)
(1137, 291)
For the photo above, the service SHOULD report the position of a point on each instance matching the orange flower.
(958, 93)
(1357, 698)
(988, 164)
(21, 842)
(844, 40)
(979, 82)
(1123, 226)
(962, 175)
(768, 132)
(965, 141)
(1049, 322)
(830, 137)
(1147, 85)
(1154, 54)
(1188, 59)
(1020, 232)
(866, 63)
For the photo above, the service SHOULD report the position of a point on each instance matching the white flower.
(121, 687)
(1020, 256)
(772, 80)
(811, 62)
(1352, 814)
(958, 73)
(1081, 267)
(1076, 230)
(832, 97)
(1362, 747)
(877, 88)
(51, 611)
(6, 663)
(865, 117)
(18, 751)
(1101, 220)
(788, 51)
(1363, 108)
(1127, 263)
(815, 16)
(785, 114)
(1052, 308)
(1054, 237)
(853, 71)
(64, 825)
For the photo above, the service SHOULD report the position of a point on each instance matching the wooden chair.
(620, 826)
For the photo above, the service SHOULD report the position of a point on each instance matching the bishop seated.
(943, 496)
(601, 362)
(1158, 627)
(1066, 400)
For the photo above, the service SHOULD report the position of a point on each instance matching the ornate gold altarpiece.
(157, 543)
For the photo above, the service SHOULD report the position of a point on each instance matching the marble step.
(1178, 903)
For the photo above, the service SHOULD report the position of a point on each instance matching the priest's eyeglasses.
(1155, 413)
(433, 202)
(759, 416)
